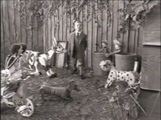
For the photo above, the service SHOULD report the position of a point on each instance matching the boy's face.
(78, 26)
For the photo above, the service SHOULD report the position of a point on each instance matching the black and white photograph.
(80, 59)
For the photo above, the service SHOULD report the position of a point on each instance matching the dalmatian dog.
(36, 59)
(131, 77)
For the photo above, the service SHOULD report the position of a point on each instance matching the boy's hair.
(16, 46)
(77, 21)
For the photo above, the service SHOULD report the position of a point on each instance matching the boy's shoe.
(82, 76)
(73, 71)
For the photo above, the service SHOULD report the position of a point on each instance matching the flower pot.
(125, 61)
(97, 58)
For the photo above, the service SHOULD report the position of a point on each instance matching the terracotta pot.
(125, 61)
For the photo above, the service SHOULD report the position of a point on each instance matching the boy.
(76, 48)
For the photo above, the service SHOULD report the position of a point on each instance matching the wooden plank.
(6, 27)
(121, 39)
(135, 46)
(23, 24)
(17, 24)
(2, 40)
(34, 33)
(28, 31)
(95, 49)
(151, 53)
(104, 24)
(58, 25)
(85, 30)
(150, 75)
(45, 38)
(115, 21)
(11, 21)
(99, 27)
(64, 28)
(151, 33)
(110, 28)
(49, 39)
(147, 100)
(140, 40)
(92, 43)
(89, 39)
(131, 44)
(52, 37)
(61, 23)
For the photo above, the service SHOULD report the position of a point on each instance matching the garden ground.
(91, 103)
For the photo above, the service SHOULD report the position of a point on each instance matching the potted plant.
(132, 16)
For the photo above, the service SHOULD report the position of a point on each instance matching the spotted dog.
(131, 77)
(36, 59)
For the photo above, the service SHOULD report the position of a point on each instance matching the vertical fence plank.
(6, 27)
(23, 24)
(94, 28)
(40, 39)
(29, 30)
(131, 41)
(136, 39)
(112, 24)
(115, 21)
(121, 36)
(11, 21)
(110, 28)
(139, 41)
(60, 23)
(99, 26)
(17, 23)
(85, 30)
(89, 38)
(48, 40)
(107, 24)
(2, 40)
(104, 24)
(91, 56)
(64, 25)
(126, 39)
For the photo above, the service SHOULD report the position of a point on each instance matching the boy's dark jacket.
(82, 44)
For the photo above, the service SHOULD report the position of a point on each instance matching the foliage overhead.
(131, 16)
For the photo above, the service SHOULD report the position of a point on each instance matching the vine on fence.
(42, 10)
(131, 16)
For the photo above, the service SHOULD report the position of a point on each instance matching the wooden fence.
(13, 31)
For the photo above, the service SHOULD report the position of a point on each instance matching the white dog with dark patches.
(131, 77)
(36, 59)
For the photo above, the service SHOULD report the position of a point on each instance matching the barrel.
(125, 61)
(97, 58)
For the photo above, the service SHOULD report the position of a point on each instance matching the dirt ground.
(91, 103)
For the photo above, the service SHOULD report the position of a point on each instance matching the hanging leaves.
(132, 16)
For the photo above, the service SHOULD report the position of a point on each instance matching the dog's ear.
(54, 42)
(109, 62)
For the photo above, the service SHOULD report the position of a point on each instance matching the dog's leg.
(50, 73)
(37, 72)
